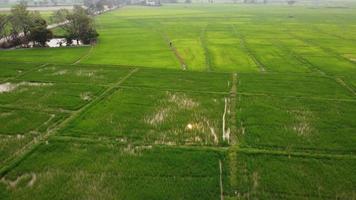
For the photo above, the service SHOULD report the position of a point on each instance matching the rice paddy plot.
(164, 117)
(21, 127)
(298, 124)
(181, 81)
(293, 85)
(64, 168)
(44, 95)
(269, 176)
(263, 108)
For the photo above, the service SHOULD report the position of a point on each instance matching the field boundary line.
(84, 56)
(233, 93)
(181, 60)
(345, 85)
(29, 147)
(206, 50)
(256, 151)
(23, 74)
(44, 110)
(173, 90)
(351, 99)
(221, 181)
(249, 52)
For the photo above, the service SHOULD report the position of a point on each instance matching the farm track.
(249, 52)
(325, 154)
(285, 195)
(46, 110)
(221, 181)
(299, 97)
(169, 42)
(208, 61)
(233, 93)
(173, 90)
(84, 56)
(23, 74)
(18, 156)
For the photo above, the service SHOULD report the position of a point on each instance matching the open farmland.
(247, 102)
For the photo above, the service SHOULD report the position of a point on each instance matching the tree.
(3, 25)
(60, 16)
(79, 26)
(99, 6)
(20, 21)
(291, 2)
(39, 33)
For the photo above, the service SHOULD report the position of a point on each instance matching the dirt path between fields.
(170, 43)
(221, 181)
(248, 50)
(233, 92)
(84, 56)
(22, 74)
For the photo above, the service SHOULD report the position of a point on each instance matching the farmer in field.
(170, 43)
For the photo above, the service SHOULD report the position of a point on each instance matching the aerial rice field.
(186, 102)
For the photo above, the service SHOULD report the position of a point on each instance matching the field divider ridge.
(249, 52)
(181, 60)
(207, 55)
(84, 56)
(351, 99)
(26, 72)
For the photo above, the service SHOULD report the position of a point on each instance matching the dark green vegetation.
(265, 108)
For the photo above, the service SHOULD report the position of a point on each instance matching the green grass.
(268, 91)
(269, 177)
(64, 169)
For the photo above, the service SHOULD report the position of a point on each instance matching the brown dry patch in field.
(182, 101)
(6, 114)
(85, 73)
(158, 117)
(86, 96)
(301, 124)
(255, 180)
(198, 128)
(225, 129)
(351, 57)
(201, 126)
(52, 68)
(91, 186)
(60, 72)
(9, 87)
(169, 106)
(29, 177)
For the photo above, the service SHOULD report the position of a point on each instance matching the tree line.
(22, 27)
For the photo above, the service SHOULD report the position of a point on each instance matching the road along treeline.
(22, 27)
